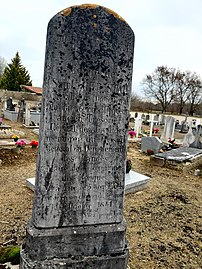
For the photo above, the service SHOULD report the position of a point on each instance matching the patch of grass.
(10, 254)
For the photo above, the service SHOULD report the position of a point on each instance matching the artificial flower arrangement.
(155, 130)
(132, 133)
(20, 144)
(34, 144)
(15, 137)
(146, 132)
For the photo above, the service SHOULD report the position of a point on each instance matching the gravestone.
(189, 138)
(184, 126)
(168, 131)
(138, 126)
(143, 118)
(27, 114)
(146, 119)
(198, 122)
(21, 111)
(152, 121)
(151, 143)
(197, 141)
(9, 105)
(77, 218)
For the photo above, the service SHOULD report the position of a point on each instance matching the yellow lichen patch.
(65, 12)
(94, 16)
(85, 6)
(114, 14)
(94, 25)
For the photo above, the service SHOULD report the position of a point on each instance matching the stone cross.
(77, 219)
(151, 125)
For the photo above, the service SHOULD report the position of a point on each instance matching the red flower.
(34, 144)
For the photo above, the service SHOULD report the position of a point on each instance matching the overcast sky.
(167, 32)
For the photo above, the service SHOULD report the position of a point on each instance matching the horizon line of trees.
(172, 90)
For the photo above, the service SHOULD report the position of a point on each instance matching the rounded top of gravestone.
(67, 11)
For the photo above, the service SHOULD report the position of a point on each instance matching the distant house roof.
(36, 90)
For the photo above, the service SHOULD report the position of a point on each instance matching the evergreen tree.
(15, 74)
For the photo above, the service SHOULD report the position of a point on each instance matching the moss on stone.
(10, 254)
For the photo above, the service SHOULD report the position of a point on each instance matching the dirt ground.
(164, 221)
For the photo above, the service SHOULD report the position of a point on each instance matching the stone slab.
(10, 142)
(7, 142)
(157, 161)
(103, 262)
(180, 155)
(30, 182)
(87, 240)
(151, 143)
(30, 127)
(5, 127)
(35, 131)
(133, 182)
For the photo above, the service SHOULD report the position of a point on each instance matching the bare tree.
(182, 88)
(161, 86)
(195, 92)
(135, 102)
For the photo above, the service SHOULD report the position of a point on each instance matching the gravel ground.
(164, 221)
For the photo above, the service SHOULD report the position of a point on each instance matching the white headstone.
(138, 125)
(188, 138)
(169, 128)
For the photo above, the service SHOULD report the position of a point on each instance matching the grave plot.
(183, 158)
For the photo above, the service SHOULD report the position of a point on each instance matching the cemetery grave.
(171, 197)
(77, 214)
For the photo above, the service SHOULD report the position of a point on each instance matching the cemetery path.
(164, 222)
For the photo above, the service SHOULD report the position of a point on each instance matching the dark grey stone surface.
(151, 142)
(180, 154)
(84, 119)
(77, 219)
(91, 240)
(93, 262)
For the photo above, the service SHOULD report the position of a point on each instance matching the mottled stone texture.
(83, 129)
(77, 219)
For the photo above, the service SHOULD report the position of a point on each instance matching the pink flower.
(132, 133)
(20, 143)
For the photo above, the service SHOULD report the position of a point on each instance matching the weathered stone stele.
(169, 128)
(77, 219)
